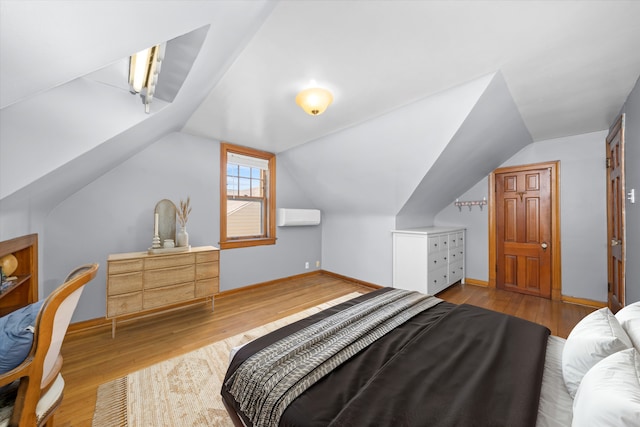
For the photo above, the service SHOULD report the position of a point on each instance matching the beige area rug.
(183, 391)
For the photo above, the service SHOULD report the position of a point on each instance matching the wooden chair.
(37, 381)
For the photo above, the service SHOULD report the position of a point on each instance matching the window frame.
(269, 194)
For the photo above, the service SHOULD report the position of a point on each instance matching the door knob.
(544, 246)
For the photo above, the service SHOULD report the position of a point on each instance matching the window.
(247, 197)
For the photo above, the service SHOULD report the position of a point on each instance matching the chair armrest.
(22, 370)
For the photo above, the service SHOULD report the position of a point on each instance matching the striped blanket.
(267, 382)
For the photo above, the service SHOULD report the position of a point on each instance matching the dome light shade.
(314, 101)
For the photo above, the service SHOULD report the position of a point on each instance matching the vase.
(182, 237)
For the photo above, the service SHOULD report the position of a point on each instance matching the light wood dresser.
(429, 259)
(139, 282)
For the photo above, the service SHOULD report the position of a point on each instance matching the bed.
(400, 358)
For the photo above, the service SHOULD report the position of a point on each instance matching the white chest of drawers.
(428, 259)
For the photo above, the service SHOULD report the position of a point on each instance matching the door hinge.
(608, 162)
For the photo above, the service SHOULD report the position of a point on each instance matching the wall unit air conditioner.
(296, 217)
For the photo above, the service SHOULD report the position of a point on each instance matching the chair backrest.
(44, 362)
(62, 302)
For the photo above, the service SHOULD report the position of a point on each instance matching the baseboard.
(351, 279)
(88, 324)
(583, 301)
(263, 284)
(476, 282)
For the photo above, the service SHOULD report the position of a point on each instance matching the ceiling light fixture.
(144, 68)
(314, 100)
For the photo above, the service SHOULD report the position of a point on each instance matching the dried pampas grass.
(184, 211)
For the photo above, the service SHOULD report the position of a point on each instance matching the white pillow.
(629, 318)
(595, 337)
(609, 394)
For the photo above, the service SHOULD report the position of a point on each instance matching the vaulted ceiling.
(568, 65)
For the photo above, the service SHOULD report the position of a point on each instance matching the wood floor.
(92, 357)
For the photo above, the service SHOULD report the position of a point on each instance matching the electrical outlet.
(306, 265)
(317, 264)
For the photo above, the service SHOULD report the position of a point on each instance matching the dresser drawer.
(168, 295)
(168, 276)
(437, 281)
(125, 266)
(456, 272)
(209, 256)
(456, 255)
(207, 287)
(168, 261)
(124, 283)
(124, 304)
(434, 244)
(206, 270)
(436, 261)
(444, 242)
(455, 239)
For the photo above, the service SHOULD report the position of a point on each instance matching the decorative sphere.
(9, 264)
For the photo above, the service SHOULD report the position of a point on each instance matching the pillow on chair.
(16, 335)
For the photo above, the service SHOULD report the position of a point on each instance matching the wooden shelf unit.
(24, 291)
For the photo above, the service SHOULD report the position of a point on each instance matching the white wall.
(114, 214)
(582, 213)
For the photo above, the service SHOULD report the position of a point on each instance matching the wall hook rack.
(470, 203)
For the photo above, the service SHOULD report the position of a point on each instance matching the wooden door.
(615, 216)
(523, 231)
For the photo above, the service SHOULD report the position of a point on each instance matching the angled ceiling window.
(140, 73)
(144, 68)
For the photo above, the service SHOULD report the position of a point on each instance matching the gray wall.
(476, 223)
(583, 209)
(582, 213)
(632, 176)
(114, 214)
